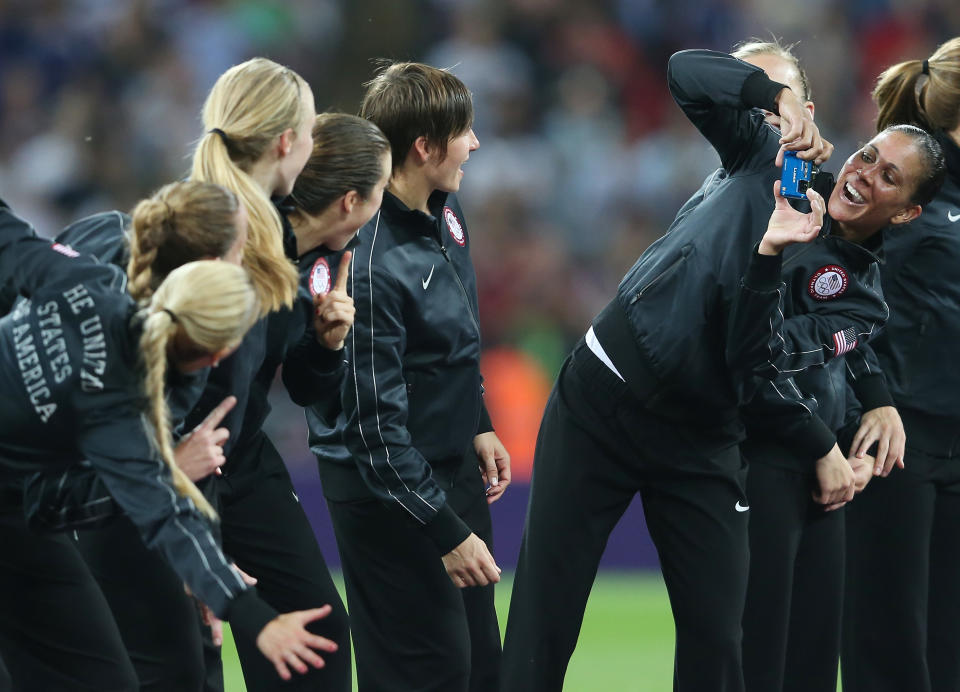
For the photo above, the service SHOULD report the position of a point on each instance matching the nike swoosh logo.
(953, 217)
(741, 508)
(426, 282)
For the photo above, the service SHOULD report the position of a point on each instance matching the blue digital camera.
(796, 176)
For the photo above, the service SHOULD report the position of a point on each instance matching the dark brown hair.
(347, 155)
(931, 156)
(408, 100)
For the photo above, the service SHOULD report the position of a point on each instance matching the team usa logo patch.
(456, 228)
(320, 278)
(828, 282)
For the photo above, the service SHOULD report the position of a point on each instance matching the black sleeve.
(376, 408)
(789, 417)
(824, 331)
(484, 425)
(716, 92)
(313, 374)
(866, 378)
(116, 442)
(755, 321)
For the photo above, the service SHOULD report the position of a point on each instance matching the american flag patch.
(844, 341)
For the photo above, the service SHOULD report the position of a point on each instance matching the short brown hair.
(407, 100)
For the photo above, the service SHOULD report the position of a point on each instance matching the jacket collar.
(414, 219)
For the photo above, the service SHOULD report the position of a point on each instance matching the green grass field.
(626, 643)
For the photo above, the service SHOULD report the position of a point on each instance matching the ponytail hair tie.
(926, 68)
(221, 134)
(173, 317)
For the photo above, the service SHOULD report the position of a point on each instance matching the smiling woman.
(909, 642)
(887, 182)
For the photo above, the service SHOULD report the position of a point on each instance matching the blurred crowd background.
(583, 160)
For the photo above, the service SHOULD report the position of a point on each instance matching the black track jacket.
(72, 391)
(413, 398)
(704, 314)
(921, 285)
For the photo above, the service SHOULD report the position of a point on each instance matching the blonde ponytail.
(898, 97)
(251, 105)
(925, 93)
(212, 304)
(181, 222)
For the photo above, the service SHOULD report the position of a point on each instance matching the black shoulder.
(102, 235)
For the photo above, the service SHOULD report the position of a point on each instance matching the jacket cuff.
(759, 91)
(815, 439)
(248, 614)
(763, 271)
(484, 425)
(447, 530)
(872, 392)
(322, 359)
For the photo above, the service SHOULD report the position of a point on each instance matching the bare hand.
(200, 452)
(862, 471)
(333, 313)
(798, 131)
(788, 226)
(471, 564)
(494, 464)
(883, 426)
(835, 479)
(212, 621)
(286, 642)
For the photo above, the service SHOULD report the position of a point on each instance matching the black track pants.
(57, 633)
(412, 628)
(791, 622)
(596, 449)
(902, 612)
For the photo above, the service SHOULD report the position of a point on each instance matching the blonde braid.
(149, 220)
(211, 305)
(158, 329)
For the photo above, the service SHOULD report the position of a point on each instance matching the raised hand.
(798, 131)
(788, 226)
(333, 313)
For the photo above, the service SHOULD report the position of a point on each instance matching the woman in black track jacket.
(900, 630)
(83, 375)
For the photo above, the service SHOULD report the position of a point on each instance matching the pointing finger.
(343, 273)
(216, 415)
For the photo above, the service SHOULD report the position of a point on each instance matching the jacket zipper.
(463, 291)
(655, 280)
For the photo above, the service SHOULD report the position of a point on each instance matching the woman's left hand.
(333, 313)
(494, 463)
(788, 226)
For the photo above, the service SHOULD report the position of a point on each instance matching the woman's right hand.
(200, 452)
(788, 226)
(471, 564)
(285, 641)
(798, 131)
(835, 480)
